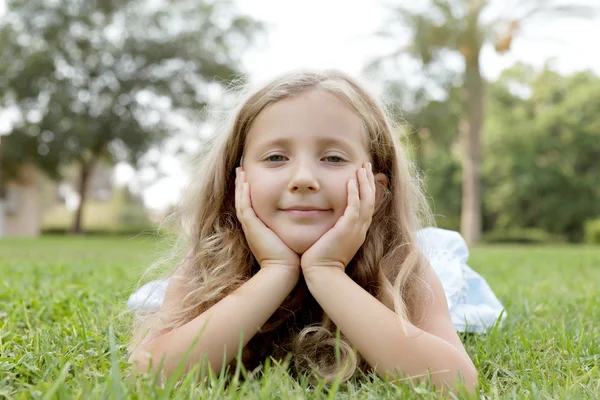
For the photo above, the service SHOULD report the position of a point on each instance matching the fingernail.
(370, 167)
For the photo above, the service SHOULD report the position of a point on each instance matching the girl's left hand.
(338, 246)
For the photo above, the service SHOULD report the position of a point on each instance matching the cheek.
(263, 195)
(339, 194)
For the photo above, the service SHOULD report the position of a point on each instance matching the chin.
(299, 237)
(300, 248)
(300, 245)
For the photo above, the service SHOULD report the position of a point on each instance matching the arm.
(374, 330)
(242, 312)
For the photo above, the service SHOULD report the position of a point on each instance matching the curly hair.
(389, 265)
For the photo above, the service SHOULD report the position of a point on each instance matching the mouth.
(305, 212)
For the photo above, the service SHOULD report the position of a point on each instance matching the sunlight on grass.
(61, 334)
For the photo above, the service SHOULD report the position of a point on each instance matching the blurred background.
(102, 103)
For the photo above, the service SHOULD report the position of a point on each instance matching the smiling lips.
(305, 212)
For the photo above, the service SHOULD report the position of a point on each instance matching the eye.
(275, 158)
(334, 159)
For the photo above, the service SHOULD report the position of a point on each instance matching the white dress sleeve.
(148, 297)
(473, 305)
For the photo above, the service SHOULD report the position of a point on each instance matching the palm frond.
(430, 34)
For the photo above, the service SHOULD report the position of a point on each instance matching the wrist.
(320, 274)
(287, 270)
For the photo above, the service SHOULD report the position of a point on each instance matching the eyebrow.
(286, 141)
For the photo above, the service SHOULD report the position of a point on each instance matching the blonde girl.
(302, 220)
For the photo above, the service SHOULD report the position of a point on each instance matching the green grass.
(61, 337)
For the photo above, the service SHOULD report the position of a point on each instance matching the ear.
(381, 181)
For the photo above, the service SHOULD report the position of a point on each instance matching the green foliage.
(444, 32)
(110, 80)
(17, 149)
(592, 231)
(541, 141)
(541, 165)
(521, 235)
(59, 298)
(540, 162)
(431, 127)
(107, 79)
(443, 175)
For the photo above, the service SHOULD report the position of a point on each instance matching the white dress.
(473, 305)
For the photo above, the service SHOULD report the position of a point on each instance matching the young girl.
(302, 220)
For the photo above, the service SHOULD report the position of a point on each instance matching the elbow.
(144, 359)
(462, 381)
(140, 359)
(465, 381)
(469, 380)
(161, 365)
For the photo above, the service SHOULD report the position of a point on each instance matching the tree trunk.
(470, 135)
(84, 176)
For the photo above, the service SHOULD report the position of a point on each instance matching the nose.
(304, 178)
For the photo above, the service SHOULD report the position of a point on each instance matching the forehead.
(314, 116)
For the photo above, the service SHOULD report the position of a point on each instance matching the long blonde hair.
(389, 265)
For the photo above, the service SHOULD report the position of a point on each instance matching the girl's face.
(299, 155)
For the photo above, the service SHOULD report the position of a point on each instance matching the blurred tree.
(445, 30)
(105, 79)
(542, 141)
(431, 127)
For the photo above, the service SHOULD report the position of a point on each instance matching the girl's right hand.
(267, 247)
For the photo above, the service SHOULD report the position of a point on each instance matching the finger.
(372, 178)
(237, 193)
(366, 194)
(372, 187)
(353, 208)
(244, 198)
(363, 183)
(248, 211)
(237, 197)
(346, 221)
(243, 202)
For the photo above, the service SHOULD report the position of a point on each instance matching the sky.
(339, 34)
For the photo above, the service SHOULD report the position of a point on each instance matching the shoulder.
(174, 295)
(177, 289)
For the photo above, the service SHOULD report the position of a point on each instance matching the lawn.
(61, 335)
